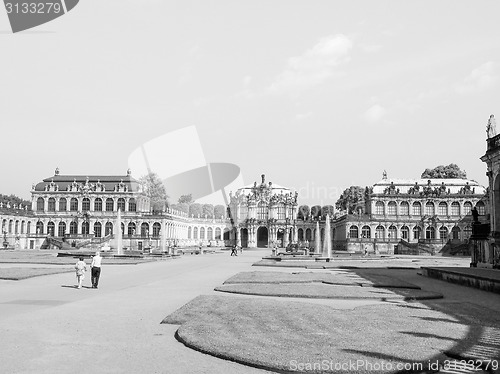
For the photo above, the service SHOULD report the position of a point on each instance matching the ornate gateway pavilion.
(263, 215)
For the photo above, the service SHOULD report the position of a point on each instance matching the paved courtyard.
(48, 326)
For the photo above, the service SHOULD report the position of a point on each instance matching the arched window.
(202, 233)
(39, 228)
(353, 232)
(443, 209)
(416, 209)
(110, 204)
(455, 233)
(61, 229)
(108, 229)
(455, 209)
(429, 208)
(63, 204)
(262, 211)
(98, 204)
(443, 233)
(189, 232)
(467, 207)
(417, 232)
(308, 234)
(28, 228)
(97, 229)
(391, 208)
(73, 204)
(40, 204)
(121, 204)
(22, 226)
(379, 208)
(467, 232)
(132, 205)
(51, 228)
(430, 233)
(481, 209)
(300, 234)
(85, 228)
(217, 233)
(131, 229)
(86, 204)
(52, 204)
(404, 208)
(195, 233)
(144, 230)
(380, 232)
(366, 232)
(16, 230)
(73, 228)
(405, 233)
(156, 229)
(392, 232)
(210, 234)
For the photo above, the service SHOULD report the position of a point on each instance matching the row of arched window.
(97, 229)
(404, 232)
(429, 209)
(202, 234)
(107, 205)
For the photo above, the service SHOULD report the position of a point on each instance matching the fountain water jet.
(119, 234)
(327, 240)
(317, 240)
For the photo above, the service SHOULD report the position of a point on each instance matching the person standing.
(81, 268)
(95, 268)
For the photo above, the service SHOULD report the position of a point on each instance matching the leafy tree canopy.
(185, 199)
(155, 190)
(303, 212)
(207, 210)
(195, 210)
(351, 198)
(450, 171)
(13, 199)
(219, 211)
(327, 209)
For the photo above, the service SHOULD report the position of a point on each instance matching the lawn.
(281, 335)
(26, 272)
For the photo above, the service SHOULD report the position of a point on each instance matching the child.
(81, 268)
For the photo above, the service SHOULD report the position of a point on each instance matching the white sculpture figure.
(491, 129)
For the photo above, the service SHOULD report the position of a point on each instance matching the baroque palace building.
(411, 216)
(81, 209)
(263, 215)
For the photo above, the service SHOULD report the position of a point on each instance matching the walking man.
(95, 267)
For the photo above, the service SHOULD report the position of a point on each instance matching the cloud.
(303, 116)
(375, 113)
(479, 79)
(314, 66)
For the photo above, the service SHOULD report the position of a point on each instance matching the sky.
(317, 95)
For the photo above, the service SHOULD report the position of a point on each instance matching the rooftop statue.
(491, 129)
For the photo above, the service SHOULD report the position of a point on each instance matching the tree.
(181, 207)
(350, 199)
(219, 211)
(13, 199)
(328, 209)
(207, 210)
(450, 171)
(195, 210)
(303, 212)
(186, 199)
(316, 211)
(155, 190)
